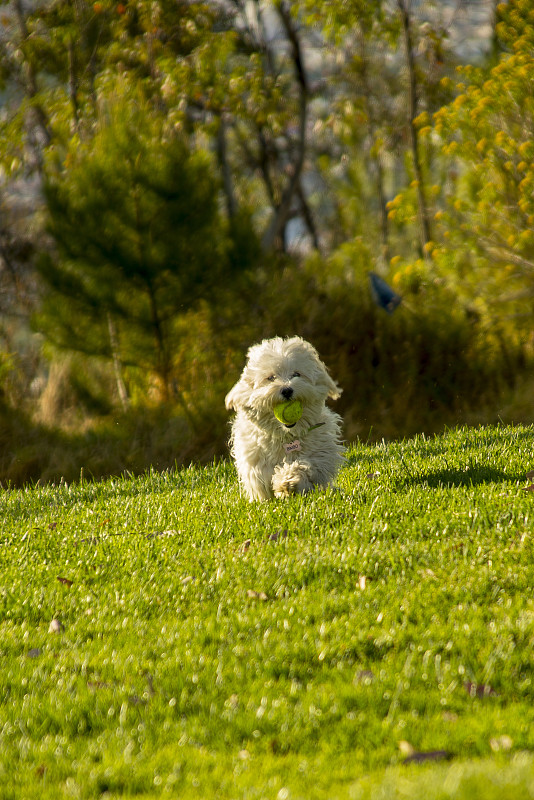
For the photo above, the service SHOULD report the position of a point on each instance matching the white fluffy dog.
(274, 459)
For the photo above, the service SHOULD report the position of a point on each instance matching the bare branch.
(40, 119)
(283, 211)
(424, 222)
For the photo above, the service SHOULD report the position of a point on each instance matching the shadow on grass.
(461, 477)
(125, 444)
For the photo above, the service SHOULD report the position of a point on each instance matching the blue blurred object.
(383, 295)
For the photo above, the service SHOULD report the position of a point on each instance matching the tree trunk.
(282, 213)
(222, 154)
(37, 118)
(117, 366)
(424, 221)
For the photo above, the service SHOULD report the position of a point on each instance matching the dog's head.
(281, 369)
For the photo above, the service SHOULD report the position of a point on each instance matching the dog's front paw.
(291, 479)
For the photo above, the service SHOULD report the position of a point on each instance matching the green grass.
(214, 648)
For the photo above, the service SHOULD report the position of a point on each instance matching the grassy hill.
(162, 637)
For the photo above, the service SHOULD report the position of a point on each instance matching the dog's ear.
(236, 396)
(321, 376)
(239, 395)
(332, 389)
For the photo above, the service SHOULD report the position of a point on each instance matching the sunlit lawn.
(160, 636)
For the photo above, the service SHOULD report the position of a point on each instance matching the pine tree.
(138, 241)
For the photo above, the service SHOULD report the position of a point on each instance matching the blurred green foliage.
(138, 241)
(213, 174)
(483, 206)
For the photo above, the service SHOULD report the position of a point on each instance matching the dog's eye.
(271, 378)
(296, 375)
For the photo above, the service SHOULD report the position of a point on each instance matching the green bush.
(432, 362)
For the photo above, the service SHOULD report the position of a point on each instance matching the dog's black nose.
(287, 392)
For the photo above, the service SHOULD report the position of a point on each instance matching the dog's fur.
(277, 370)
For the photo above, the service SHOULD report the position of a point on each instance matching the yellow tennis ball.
(289, 412)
